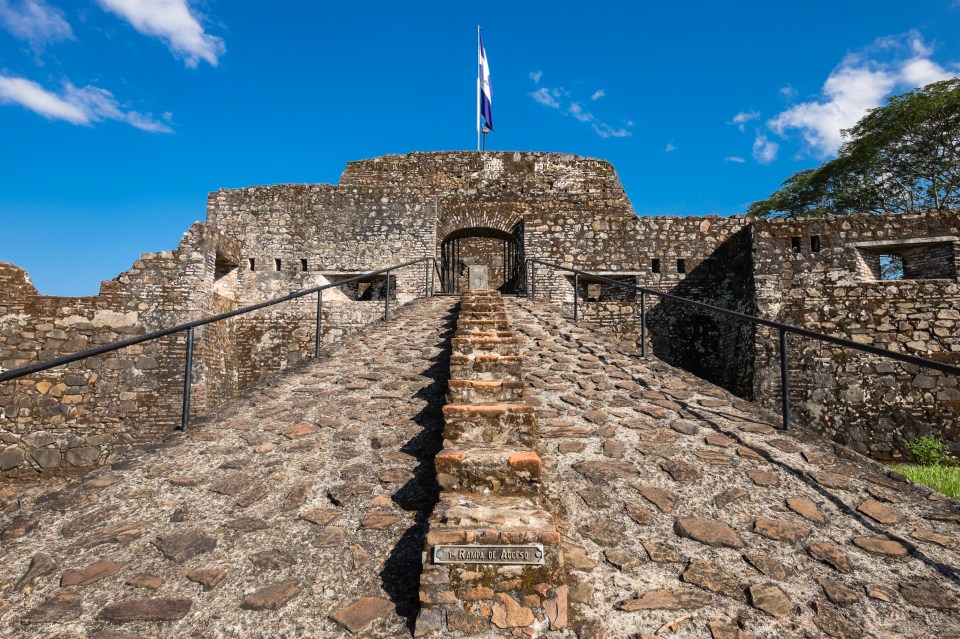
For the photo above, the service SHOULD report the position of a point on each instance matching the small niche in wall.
(253, 263)
(655, 265)
(681, 266)
(277, 263)
(303, 264)
(795, 243)
(814, 243)
(222, 266)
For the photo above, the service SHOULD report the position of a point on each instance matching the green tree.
(903, 157)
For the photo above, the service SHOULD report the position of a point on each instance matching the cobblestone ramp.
(302, 509)
(298, 511)
(687, 514)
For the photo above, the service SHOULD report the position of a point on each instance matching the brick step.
(496, 314)
(488, 366)
(489, 423)
(472, 333)
(477, 391)
(495, 468)
(498, 345)
(473, 597)
(466, 323)
(482, 307)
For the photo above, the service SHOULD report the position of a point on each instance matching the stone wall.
(74, 416)
(263, 242)
(860, 400)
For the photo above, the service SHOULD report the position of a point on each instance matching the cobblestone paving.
(681, 502)
(306, 499)
(301, 509)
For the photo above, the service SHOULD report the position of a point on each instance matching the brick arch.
(477, 215)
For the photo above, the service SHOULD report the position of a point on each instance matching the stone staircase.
(492, 560)
(666, 507)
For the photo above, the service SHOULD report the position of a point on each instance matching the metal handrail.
(23, 371)
(784, 329)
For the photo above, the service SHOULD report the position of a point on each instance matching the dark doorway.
(500, 251)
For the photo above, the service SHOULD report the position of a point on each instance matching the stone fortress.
(496, 209)
(659, 489)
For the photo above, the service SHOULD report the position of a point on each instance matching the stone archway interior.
(498, 250)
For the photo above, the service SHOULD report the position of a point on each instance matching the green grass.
(945, 479)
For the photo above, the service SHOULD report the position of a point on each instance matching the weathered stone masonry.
(261, 242)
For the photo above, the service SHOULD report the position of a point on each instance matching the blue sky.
(117, 117)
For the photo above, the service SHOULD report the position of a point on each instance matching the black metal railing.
(428, 283)
(784, 329)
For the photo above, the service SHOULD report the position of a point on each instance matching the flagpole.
(479, 71)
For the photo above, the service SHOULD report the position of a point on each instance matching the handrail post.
(784, 380)
(426, 277)
(643, 324)
(386, 299)
(533, 280)
(576, 297)
(187, 381)
(433, 275)
(316, 348)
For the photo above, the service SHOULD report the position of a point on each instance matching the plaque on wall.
(488, 554)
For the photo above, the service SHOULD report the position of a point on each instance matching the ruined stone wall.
(861, 400)
(74, 416)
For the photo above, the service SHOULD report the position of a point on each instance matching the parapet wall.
(818, 274)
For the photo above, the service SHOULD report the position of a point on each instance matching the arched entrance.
(499, 251)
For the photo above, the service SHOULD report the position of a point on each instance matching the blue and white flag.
(485, 93)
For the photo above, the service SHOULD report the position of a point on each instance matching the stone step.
(497, 314)
(489, 423)
(466, 323)
(487, 598)
(477, 391)
(498, 345)
(472, 333)
(486, 366)
(495, 468)
(482, 307)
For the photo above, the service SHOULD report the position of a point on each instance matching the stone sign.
(495, 554)
(477, 276)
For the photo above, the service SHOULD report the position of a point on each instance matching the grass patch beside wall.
(945, 479)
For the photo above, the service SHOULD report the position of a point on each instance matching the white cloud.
(734, 158)
(546, 97)
(788, 92)
(599, 93)
(552, 98)
(535, 76)
(764, 149)
(671, 147)
(35, 22)
(34, 97)
(173, 22)
(577, 111)
(861, 82)
(76, 105)
(604, 130)
(743, 117)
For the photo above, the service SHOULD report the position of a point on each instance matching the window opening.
(681, 266)
(655, 265)
(814, 243)
(303, 264)
(253, 264)
(276, 263)
(795, 243)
